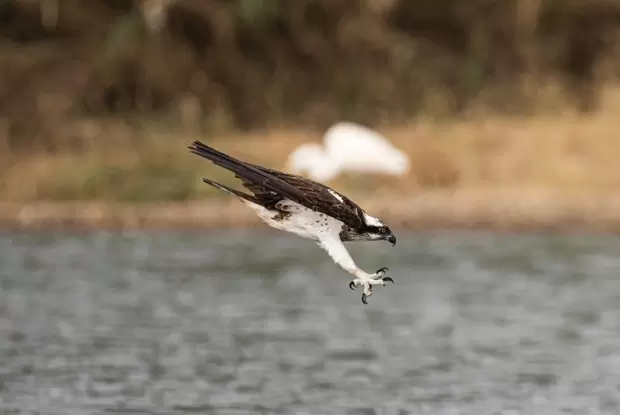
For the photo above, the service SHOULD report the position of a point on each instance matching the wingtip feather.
(196, 144)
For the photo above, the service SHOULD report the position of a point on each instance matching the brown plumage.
(306, 208)
(270, 186)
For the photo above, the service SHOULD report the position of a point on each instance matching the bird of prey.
(306, 208)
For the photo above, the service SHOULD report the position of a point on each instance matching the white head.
(374, 230)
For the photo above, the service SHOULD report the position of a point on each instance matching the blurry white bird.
(349, 147)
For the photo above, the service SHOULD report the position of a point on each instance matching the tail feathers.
(247, 171)
(220, 159)
(230, 190)
(213, 155)
(201, 149)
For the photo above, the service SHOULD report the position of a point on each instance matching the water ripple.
(160, 323)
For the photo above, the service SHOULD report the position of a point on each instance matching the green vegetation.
(495, 154)
(235, 64)
(96, 103)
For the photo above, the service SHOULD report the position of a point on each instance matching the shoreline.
(474, 209)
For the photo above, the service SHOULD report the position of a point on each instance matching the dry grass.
(505, 173)
(563, 152)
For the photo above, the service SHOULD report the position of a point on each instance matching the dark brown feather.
(271, 186)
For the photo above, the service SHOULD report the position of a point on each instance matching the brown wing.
(318, 197)
(271, 186)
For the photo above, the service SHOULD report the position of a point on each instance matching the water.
(264, 323)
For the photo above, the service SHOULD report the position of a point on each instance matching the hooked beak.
(391, 239)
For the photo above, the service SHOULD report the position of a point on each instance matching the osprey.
(306, 208)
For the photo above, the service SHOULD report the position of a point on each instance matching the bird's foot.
(380, 273)
(368, 281)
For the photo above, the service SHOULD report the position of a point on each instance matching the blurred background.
(99, 98)
(506, 110)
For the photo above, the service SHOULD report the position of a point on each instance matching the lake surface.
(264, 323)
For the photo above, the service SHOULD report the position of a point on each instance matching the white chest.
(298, 220)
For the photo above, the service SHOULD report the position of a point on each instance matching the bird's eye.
(382, 230)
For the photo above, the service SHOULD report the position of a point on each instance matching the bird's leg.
(380, 273)
(377, 276)
(334, 246)
(368, 280)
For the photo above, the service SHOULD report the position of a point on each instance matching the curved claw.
(388, 279)
(351, 285)
(364, 299)
(383, 270)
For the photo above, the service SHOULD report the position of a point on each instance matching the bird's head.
(373, 230)
(379, 233)
(369, 233)
(376, 230)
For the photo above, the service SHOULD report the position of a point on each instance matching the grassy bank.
(565, 152)
(491, 209)
(505, 172)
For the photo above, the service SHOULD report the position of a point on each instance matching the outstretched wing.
(271, 186)
(321, 198)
